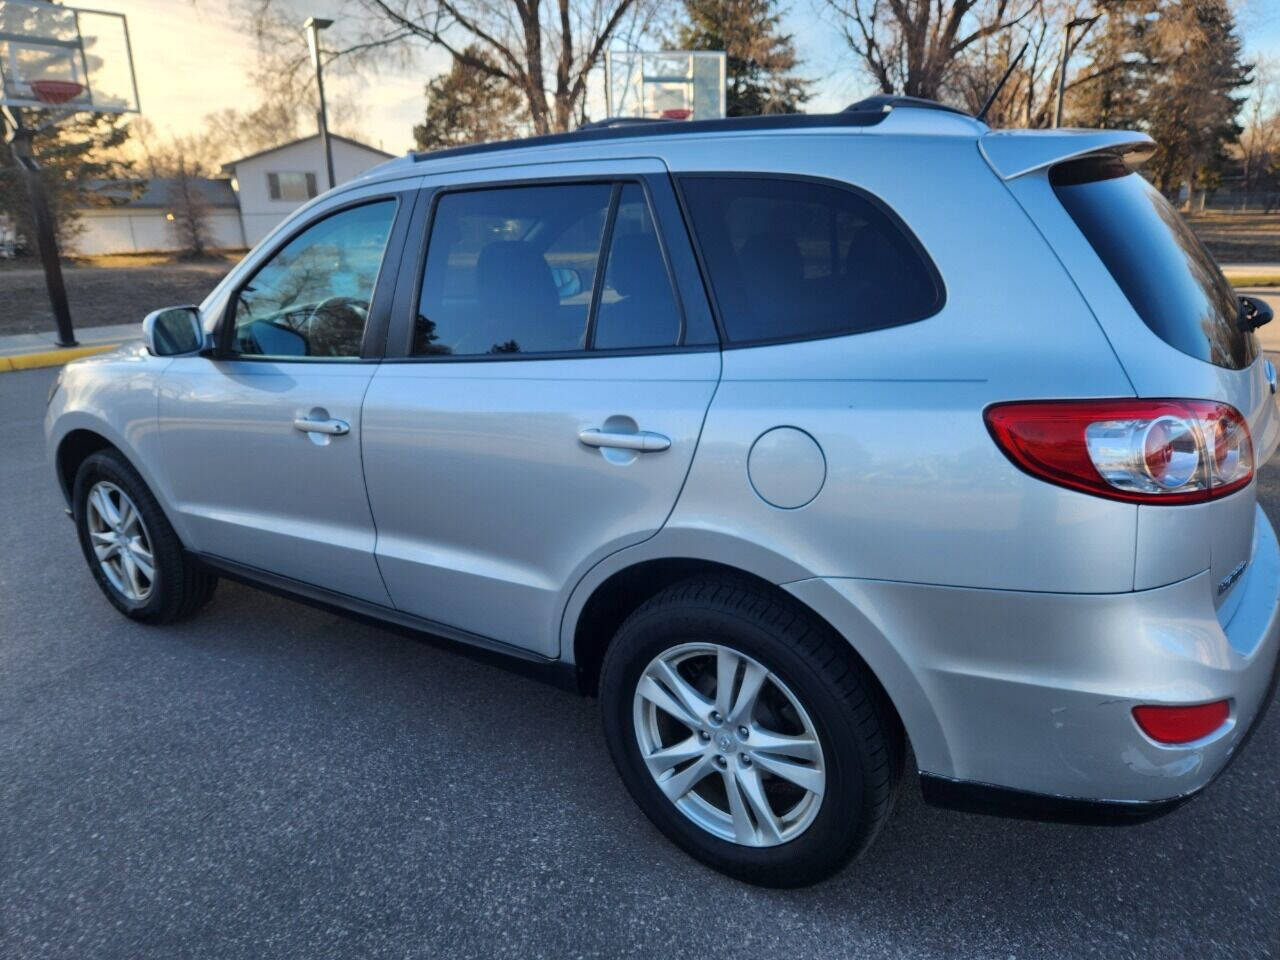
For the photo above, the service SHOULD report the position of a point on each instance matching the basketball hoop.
(56, 91)
(665, 84)
(56, 62)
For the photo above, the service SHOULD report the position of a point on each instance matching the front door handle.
(642, 440)
(334, 428)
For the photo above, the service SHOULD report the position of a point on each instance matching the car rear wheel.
(749, 733)
(132, 551)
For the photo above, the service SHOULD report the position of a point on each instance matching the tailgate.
(1172, 319)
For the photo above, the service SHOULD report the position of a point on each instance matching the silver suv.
(800, 441)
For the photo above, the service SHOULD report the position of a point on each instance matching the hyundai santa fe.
(807, 444)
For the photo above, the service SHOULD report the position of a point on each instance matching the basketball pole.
(20, 144)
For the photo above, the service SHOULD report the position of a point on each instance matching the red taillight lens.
(1182, 724)
(1141, 451)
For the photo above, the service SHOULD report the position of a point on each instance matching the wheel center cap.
(724, 742)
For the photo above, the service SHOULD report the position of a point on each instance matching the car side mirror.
(1254, 313)
(173, 331)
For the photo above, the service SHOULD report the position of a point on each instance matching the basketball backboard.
(55, 57)
(665, 84)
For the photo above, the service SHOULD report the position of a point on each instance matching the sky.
(192, 57)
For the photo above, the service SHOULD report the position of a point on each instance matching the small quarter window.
(790, 259)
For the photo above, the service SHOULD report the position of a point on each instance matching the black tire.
(861, 737)
(179, 587)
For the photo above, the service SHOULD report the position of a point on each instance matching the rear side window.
(1170, 279)
(511, 270)
(791, 259)
(562, 268)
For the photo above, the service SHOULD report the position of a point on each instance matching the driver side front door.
(261, 444)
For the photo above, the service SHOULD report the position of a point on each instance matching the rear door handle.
(642, 440)
(334, 428)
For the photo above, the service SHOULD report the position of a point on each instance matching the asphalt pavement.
(268, 780)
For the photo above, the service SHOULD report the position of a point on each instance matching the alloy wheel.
(120, 541)
(729, 744)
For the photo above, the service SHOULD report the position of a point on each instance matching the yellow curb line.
(52, 358)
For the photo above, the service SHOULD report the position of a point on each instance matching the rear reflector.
(1182, 724)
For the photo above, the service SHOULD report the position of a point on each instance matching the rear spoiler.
(1015, 153)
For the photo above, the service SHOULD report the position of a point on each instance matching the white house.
(122, 220)
(273, 183)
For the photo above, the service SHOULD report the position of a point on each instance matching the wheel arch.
(76, 446)
(78, 435)
(613, 597)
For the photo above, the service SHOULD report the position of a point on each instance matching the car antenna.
(982, 114)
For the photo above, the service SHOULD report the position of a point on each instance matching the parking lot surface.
(269, 780)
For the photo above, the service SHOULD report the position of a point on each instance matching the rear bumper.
(1021, 702)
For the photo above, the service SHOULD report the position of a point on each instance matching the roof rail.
(645, 127)
(610, 123)
(884, 102)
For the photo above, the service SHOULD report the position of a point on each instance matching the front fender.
(115, 396)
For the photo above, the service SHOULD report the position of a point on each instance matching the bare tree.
(911, 46)
(545, 49)
(178, 169)
(1260, 141)
(1029, 97)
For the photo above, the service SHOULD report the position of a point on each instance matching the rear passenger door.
(542, 395)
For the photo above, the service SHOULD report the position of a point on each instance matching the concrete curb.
(51, 358)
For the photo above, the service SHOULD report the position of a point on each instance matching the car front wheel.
(132, 551)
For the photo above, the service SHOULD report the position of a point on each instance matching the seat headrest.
(510, 272)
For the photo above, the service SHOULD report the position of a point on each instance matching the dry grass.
(136, 260)
(1239, 237)
(101, 295)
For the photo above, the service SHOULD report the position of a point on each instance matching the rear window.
(791, 259)
(1170, 279)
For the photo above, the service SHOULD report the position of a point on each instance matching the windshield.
(1171, 280)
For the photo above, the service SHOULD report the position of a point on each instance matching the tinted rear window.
(793, 258)
(1170, 279)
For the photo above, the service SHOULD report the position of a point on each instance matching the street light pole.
(313, 27)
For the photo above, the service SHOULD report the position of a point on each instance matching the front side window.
(311, 299)
(790, 259)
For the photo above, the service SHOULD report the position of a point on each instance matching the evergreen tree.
(761, 59)
(1114, 88)
(469, 105)
(1171, 68)
(1194, 108)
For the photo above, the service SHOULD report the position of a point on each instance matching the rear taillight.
(1182, 724)
(1141, 451)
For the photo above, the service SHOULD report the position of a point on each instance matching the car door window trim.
(370, 349)
(896, 221)
(404, 346)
